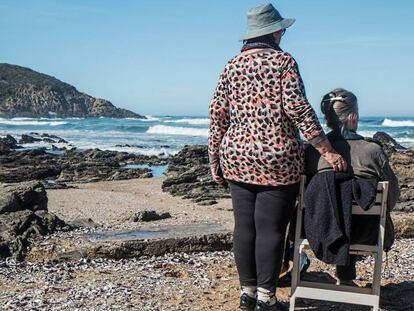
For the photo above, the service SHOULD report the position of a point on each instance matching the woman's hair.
(337, 106)
(267, 39)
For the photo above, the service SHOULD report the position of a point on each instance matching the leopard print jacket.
(256, 113)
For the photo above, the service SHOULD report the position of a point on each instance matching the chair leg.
(375, 307)
(376, 279)
(292, 303)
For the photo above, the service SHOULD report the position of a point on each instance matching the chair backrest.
(379, 207)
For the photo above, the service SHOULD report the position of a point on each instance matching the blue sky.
(164, 57)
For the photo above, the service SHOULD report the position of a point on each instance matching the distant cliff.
(27, 93)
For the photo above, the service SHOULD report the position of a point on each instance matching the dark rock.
(402, 163)
(207, 202)
(18, 229)
(52, 184)
(12, 141)
(49, 140)
(72, 165)
(404, 226)
(46, 135)
(388, 143)
(159, 247)
(56, 148)
(131, 174)
(69, 256)
(24, 217)
(130, 146)
(8, 143)
(155, 240)
(22, 196)
(188, 175)
(27, 139)
(62, 141)
(27, 93)
(145, 216)
(83, 223)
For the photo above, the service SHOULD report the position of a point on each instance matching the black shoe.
(278, 306)
(247, 303)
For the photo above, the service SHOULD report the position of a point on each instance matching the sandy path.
(110, 203)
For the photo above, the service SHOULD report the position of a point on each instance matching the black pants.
(348, 272)
(261, 215)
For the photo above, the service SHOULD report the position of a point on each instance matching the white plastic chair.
(341, 293)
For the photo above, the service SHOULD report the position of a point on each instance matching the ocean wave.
(43, 144)
(176, 130)
(405, 141)
(45, 119)
(150, 119)
(367, 133)
(161, 152)
(21, 121)
(193, 121)
(394, 123)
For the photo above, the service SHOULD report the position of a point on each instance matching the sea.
(160, 135)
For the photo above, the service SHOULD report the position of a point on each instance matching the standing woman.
(256, 113)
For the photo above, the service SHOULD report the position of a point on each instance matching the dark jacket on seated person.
(366, 159)
(328, 212)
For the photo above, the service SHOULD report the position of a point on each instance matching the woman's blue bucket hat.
(263, 20)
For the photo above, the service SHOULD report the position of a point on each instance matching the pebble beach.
(176, 281)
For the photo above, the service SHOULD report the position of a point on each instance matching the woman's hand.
(217, 175)
(331, 156)
(336, 161)
(216, 171)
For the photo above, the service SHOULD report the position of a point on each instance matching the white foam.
(176, 130)
(150, 151)
(162, 152)
(27, 121)
(394, 123)
(40, 144)
(405, 140)
(366, 133)
(150, 118)
(192, 121)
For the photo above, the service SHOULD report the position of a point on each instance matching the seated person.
(365, 158)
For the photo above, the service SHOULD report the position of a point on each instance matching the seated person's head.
(340, 108)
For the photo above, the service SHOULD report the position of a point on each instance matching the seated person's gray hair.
(337, 106)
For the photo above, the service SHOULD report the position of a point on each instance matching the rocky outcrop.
(68, 165)
(389, 144)
(24, 217)
(188, 175)
(402, 163)
(7, 143)
(27, 139)
(27, 93)
(158, 247)
(146, 216)
(150, 241)
(22, 196)
(403, 225)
